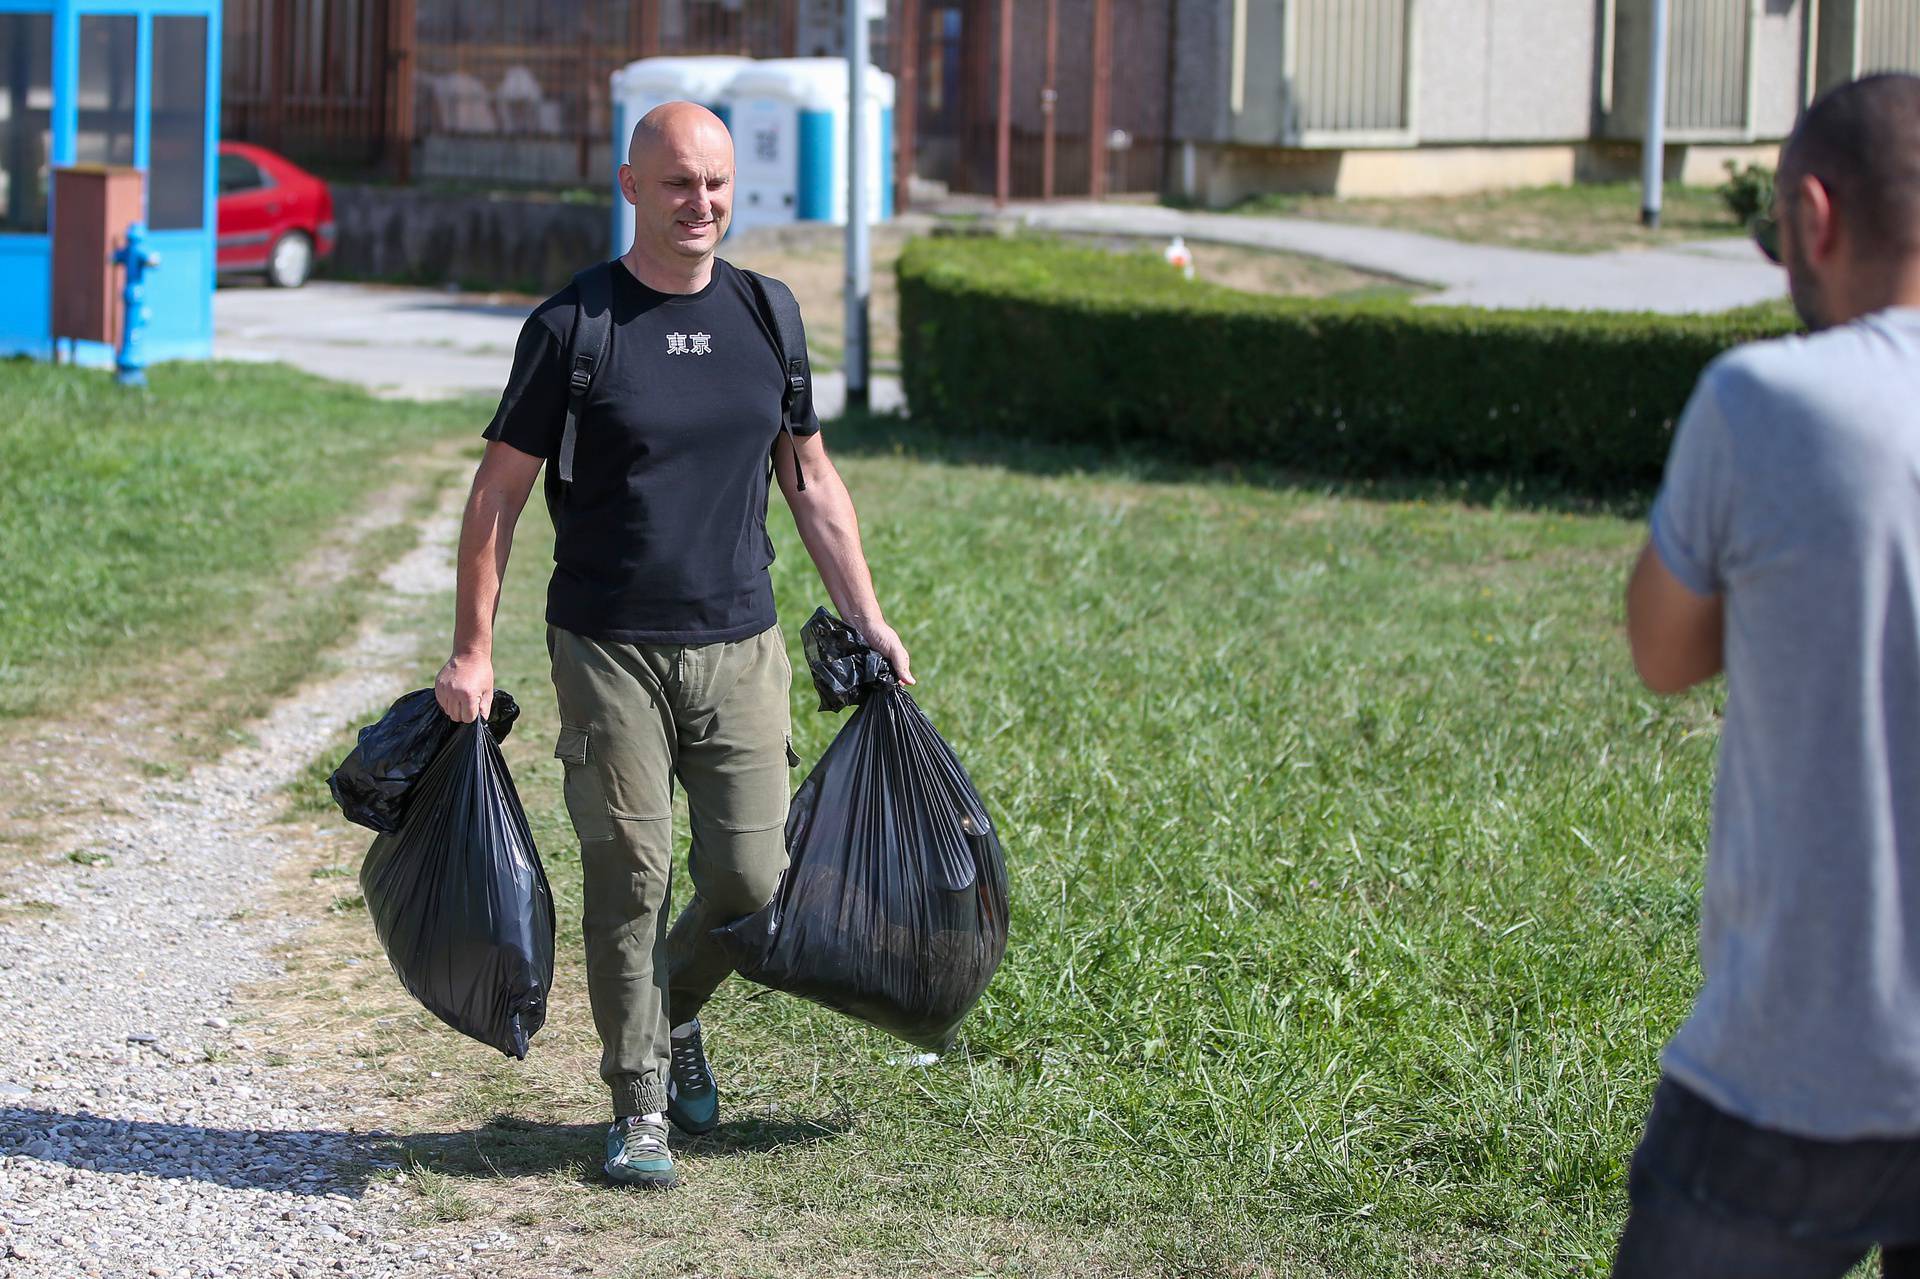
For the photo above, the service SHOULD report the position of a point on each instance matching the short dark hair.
(1862, 141)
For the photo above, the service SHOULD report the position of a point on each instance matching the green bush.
(1747, 192)
(1032, 337)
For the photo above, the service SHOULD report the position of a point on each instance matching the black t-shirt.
(662, 536)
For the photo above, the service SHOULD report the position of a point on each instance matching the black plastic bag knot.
(845, 669)
(374, 784)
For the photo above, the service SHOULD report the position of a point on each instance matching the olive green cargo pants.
(633, 718)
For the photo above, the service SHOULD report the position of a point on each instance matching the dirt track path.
(141, 1131)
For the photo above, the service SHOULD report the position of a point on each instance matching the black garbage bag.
(374, 784)
(460, 900)
(893, 908)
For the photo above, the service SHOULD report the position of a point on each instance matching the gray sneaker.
(693, 1099)
(637, 1153)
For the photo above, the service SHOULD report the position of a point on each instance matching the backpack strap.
(782, 313)
(586, 352)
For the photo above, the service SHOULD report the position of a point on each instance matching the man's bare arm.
(464, 688)
(1677, 637)
(830, 529)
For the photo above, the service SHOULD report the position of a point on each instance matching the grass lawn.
(138, 528)
(1588, 218)
(1353, 878)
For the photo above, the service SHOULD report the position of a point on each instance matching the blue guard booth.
(110, 82)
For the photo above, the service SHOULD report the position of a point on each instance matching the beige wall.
(1779, 74)
(1505, 71)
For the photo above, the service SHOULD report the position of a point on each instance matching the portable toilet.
(641, 86)
(789, 122)
(104, 88)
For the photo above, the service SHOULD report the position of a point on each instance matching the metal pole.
(906, 101)
(1003, 132)
(1099, 107)
(859, 236)
(1653, 150)
(1049, 98)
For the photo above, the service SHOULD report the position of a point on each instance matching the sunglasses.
(1766, 234)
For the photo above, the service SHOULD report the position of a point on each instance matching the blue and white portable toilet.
(114, 82)
(789, 122)
(641, 86)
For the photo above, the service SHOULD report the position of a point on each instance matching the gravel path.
(141, 1134)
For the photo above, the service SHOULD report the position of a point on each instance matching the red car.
(274, 216)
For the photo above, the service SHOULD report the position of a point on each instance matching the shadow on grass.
(510, 1147)
(891, 435)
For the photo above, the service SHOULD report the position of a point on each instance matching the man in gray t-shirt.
(1785, 548)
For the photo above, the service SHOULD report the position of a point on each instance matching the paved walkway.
(1714, 275)
(407, 343)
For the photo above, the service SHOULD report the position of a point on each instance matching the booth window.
(107, 46)
(26, 105)
(177, 147)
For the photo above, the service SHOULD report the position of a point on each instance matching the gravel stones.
(138, 1136)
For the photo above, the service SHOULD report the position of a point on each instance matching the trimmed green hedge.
(1034, 337)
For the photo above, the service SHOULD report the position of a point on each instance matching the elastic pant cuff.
(636, 1096)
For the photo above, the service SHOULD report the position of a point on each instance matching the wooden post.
(1102, 92)
(280, 70)
(644, 18)
(906, 100)
(398, 143)
(1003, 136)
(1049, 99)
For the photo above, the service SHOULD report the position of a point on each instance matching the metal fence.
(320, 80)
(501, 91)
(511, 91)
(1084, 96)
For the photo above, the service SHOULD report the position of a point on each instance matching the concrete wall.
(1779, 70)
(1487, 72)
(1200, 41)
(437, 237)
(1505, 71)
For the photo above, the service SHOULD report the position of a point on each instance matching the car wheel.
(291, 261)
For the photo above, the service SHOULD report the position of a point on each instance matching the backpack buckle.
(582, 376)
(796, 380)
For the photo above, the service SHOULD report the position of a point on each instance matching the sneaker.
(637, 1152)
(693, 1100)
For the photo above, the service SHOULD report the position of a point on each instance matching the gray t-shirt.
(1793, 491)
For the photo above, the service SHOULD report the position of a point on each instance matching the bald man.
(667, 660)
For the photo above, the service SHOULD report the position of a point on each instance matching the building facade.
(1210, 99)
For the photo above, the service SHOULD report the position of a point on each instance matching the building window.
(26, 104)
(177, 149)
(106, 89)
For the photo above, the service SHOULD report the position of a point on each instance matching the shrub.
(1748, 192)
(1030, 336)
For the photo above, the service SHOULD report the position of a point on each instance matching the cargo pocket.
(586, 793)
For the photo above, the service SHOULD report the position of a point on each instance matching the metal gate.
(323, 81)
